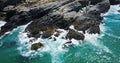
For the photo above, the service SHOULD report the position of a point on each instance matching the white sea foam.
(51, 46)
(55, 48)
(2, 23)
(113, 10)
(73, 28)
(94, 39)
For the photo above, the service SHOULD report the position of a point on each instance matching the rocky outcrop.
(55, 19)
(15, 18)
(47, 33)
(4, 3)
(75, 35)
(46, 18)
(92, 19)
(114, 2)
(2, 16)
(36, 46)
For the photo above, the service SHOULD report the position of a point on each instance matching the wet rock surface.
(36, 46)
(46, 18)
(75, 35)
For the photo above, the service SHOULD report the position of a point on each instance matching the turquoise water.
(105, 49)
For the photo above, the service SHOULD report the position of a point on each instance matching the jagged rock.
(94, 29)
(9, 14)
(24, 17)
(92, 17)
(56, 14)
(46, 22)
(50, 31)
(83, 23)
(2, 16)
(21, 18)
(54, 19)
(4, 3)
(42, 24)
(36, 46)
(101, 7)
(76, 35)
(114, 2)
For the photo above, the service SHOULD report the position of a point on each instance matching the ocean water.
(103, 48)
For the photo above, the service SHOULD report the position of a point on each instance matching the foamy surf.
(56, 48)
(2, 23)
(113, 10)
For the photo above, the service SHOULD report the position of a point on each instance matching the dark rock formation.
(94, 29)
(114, 2)
(50, 31)
(92, 19)
(48, 17)
(15, 19)
(2, 16)
(93, 2)
(36, 46)
(4, 3)
(52, 19)
(76, 35)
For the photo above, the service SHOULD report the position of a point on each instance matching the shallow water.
(102, 48)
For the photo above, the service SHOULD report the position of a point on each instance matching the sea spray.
(56, 48)
(11, 36)
(113, 10)
(53, 47)
(2, 23)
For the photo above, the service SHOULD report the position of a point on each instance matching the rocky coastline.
(48, 16)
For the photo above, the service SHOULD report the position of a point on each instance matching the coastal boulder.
(50, 31)
(74, 34)
(36, 46)
(94, 29)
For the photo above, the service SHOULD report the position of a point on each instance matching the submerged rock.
(36, 46)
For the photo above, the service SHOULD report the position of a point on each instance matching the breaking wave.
(56, 48)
